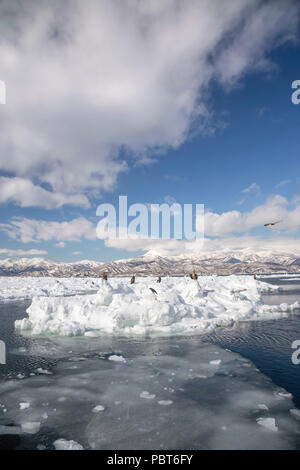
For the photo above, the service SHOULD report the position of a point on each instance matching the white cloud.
(12, 253)
(25, 194)
(30, 230)
(170, 200)
(283, 183)
(252, 187)
(263, 26)
(275, 209)
(296, 199)
(76, 253)
(278, 244)
(223, 225)
(60, 244)
(86, 79)
(178, 247)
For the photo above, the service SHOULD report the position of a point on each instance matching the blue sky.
(247, 137)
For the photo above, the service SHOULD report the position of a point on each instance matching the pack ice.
(178, 306)
(169, 394)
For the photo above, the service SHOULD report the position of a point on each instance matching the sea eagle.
(272, 223)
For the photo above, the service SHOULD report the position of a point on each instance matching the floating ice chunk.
(98, 408)
(215, 362)
(40, 370)
(116, 358)
(24, 405)
(268, 423)
(285, 394)
(91, 334)
(165, 402)
(147, 395)
(295, 412)
(262, 406)
(63, 444)
(31, 427)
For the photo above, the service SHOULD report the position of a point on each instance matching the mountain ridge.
(243, 262)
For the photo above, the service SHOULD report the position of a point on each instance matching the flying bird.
(272, 223)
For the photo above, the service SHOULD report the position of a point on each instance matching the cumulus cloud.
(224, 227)
(24, 193)
(12, 253)
(89, 82)
(31, 230)
(275, 209)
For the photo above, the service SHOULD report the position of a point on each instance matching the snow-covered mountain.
(242, 262)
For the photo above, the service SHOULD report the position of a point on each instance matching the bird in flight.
(272, 223)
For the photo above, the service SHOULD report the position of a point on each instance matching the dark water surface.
(268, 343)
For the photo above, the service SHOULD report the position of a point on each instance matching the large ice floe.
(173, 393)
(176, 306)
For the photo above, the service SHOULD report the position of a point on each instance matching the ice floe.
(98, 408)
(63, 444)
(181, 306)
(147, 395)
(116, 358)
(268, 423)
(141, 412)
(295, 412)
(24, 405)
(31, 427)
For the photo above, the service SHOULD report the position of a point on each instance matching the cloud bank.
(225, 231)
(31, 230)
(12, 253)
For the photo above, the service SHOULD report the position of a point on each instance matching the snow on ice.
(181, 306)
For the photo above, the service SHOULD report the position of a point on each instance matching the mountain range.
(237, 262)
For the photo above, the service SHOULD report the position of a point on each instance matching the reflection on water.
(268, 343)
(16, 362)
